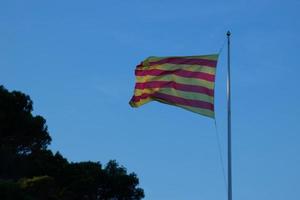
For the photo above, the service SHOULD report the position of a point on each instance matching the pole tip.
(228, 33)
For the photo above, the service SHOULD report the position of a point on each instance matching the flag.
(187, 82)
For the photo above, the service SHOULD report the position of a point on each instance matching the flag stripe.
(177, 72)
(192, 68)
(183, 101)
(175, 85)
(201, 111)
(177, 79)
(134, 103)
(178, 93)
(136, 99)
(187, 61)
(206, 57)
(175, 100)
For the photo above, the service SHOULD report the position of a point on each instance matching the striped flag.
(187, 82)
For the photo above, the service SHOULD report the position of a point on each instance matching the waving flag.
(187, 82)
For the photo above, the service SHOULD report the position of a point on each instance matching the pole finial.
(228, 33)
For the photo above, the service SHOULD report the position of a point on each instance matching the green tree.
(30, 171)
(41, 187)
(10, 190)
(119, 185)
(20, 131)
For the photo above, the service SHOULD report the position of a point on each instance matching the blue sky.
(76, 60)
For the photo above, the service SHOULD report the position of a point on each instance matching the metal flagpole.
(229, 119)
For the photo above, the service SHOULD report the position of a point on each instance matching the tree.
(119, 185)
(30, 171)
(20, 131)
(10, 190)
(41, 187)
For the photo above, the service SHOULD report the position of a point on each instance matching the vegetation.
(30, 171)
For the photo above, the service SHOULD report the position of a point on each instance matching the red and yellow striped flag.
(187, 82)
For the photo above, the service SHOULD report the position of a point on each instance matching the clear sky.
(76, 60)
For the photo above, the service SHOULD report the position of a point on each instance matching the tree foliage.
(20, 131)
(29, 170)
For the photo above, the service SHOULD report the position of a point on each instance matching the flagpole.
(229, 119)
